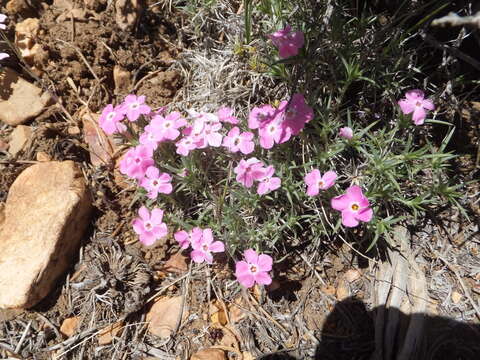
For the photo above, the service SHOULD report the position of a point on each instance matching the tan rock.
(209, 354)
(69, 326)
(352, 275)
(122, 79)
(3, 145)
(107, 334)
(16, 94)
(19, 139)
(100, 146)
(456, 297)
(163, 316)
(46, 213)
(127, 13)
(43, 156)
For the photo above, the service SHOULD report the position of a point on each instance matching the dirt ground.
(322, 300)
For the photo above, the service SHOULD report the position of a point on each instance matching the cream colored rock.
(20, 100)
(19, 139)
(122, 79)
(127, 13)
(209, 354)
(46, 213)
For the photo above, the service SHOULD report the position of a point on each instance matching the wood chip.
(106, 335)
(209, 354)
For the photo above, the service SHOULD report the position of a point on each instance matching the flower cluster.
(202, 129)
(252, 170)
(287, 41)
(202, 243)
(277, 125)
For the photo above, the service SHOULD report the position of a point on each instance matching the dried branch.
(453, 19)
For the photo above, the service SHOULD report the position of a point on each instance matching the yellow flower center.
(355, 207)
(253, 268)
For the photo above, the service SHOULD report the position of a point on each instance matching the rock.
(177, 263)
(127, 13)
(352, 275)
(26, 34)
(3, 146)
(163, 316)
(69, 326)
(107, 334)
(19, 138)
(122, 79)
(209, 354)
(100, 146)
(456, 297)
(16, 92)
(42, 156)
(343, 291)
(46, 213)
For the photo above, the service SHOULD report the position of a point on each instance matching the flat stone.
(19, 139)
(20, 100)
(46, 214)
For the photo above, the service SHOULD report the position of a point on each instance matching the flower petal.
(217, 246)
(197, 256)
(251, 256)
(406, 106)
(348, 219)
(419, 116)
(263, 278)
(157, 216)
(265, 262)
(364, 215)
(340, 202)
(144, 213)
(246, 280)
(241, 268)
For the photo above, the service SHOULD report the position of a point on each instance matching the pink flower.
(297, 114)
(134, 106)
(210, 135)
(155, 182)
(149, 138)
(4, 56)
(185, 145)
(354, 206)
(248, 171)
(205, 246)
(166, 128)
(415, 102)
(225, 114)
(254, 269)
(149, 227)
(287, 42)
(316, 182)
(260, 116)
(268, 183)
(346, 132)
(273, 132)
(136, 162)
(110, 120)
(236, 141)
(185, 239)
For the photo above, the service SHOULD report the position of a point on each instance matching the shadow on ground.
(349, 333)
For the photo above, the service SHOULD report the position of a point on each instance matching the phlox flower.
(416, 103)
(166, 128)
(297, 114)
(134, 106)
(3, 17)
(155, 182)
(149, 226)
(354, 206)
(110, 120)
(274, 132)
(225, 114)
(268, 182)
(316, 182)
(260, 115)
(254, 269)
(149, 138)
(205, 246)
(248, 171)
(185, 145)
(346, 132)
(210, 135)
(287, 41)
(185, 239)
(4, 56)
(236, 141)
(136, 161)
